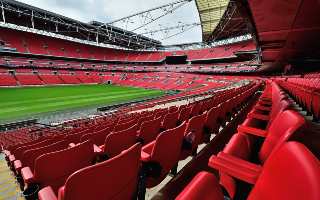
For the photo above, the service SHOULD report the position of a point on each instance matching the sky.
(110, 10)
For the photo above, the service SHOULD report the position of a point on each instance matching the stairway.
(9, 189)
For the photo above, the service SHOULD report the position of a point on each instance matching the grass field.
(19, 102)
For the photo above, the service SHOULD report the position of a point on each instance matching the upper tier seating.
(292, 172)
(31, 43)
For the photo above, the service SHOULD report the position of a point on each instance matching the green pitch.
(21, 102)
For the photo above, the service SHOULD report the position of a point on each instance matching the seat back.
(167, 149)
(170, 120)
(116, 142)
(184, 113)
(282, 127)
(28, 158)
(149, 130)
(98, 137)
(195, 126)
(292, 172)
(19, 151)
(125, 125)
(112, 179)
(211, 121)
(196, 109)
(54, 168)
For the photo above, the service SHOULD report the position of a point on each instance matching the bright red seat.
(149, 130)
(54, 168)
(116, 142)
(292, 172)
(163, 154)
(193, 136)
(111, 179)
(28, 158)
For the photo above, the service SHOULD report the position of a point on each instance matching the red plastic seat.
(149, 130)
(111, 179)
(116, 142)
(211, 122)
(28, 158)
(170, 120)
(193, 135)
(163, 152)
(54, 168)
(292, 172)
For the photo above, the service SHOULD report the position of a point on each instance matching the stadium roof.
(211, 12)
(30, 17)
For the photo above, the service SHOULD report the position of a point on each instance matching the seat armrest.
(233, 169)
(27, 175)
(17, 165)
(238, 161)
(252, 131)
(47, 194)
(259, 116)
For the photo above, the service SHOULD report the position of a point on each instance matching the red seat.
(125, 125)
(164, 152)
(193, 136)
(211, 122)
(149, 130)
(28, 158)
(170, 120)
(116, 142)
(184, 114)
(54, 168)
(98, 137)
(111, 179)
(292, 172)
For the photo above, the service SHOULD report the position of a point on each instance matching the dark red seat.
(184, 114)
(292, 172)
(170, 120)
(111, 179)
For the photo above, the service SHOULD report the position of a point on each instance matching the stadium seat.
(161, 155)
(111, 179)
(116, 142)
(193, 136)
(50, 170)
(276, 180)
(149, 130)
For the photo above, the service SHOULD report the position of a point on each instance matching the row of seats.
(306, 91)
(259, 154)
(31, 43)
(178, 126)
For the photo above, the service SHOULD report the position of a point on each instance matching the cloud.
(109, 10)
